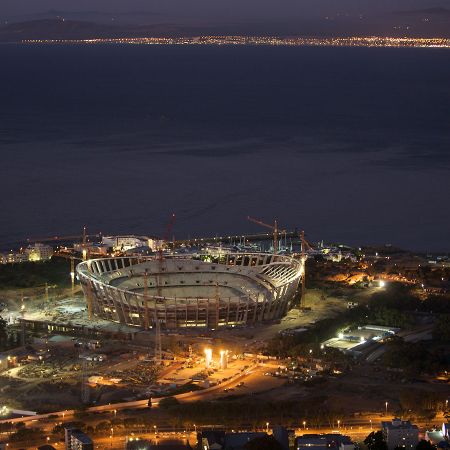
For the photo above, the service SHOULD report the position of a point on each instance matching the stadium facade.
(197, 291)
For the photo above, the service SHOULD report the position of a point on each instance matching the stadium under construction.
(235, 289)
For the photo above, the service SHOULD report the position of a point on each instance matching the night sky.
(218, 10)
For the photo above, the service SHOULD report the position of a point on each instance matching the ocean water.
(352, 145)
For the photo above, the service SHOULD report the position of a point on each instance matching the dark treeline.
(394, 306)
(35, 274)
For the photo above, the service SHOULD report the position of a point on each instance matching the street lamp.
(386, 405)
(267, 427)
(339, 423)
(371, 424)
(304, 424)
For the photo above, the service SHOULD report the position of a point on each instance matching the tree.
(441, 329)
(168, 402)
(3, 333)
(375, 441)
(263, 443)
(425, 445)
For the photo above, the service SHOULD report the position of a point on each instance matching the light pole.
(304, 424)
(339, 423)
(386, 405)
(371, 424)
(267, 427)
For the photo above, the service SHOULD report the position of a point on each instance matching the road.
(356, 428)
(111, 407)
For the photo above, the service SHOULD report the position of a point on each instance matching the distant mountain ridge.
(49, 29)
(438, 11)
(400, 24)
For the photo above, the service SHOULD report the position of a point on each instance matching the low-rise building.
(75, 439)
(311, 442)
(324, 441)
(125, 243)
(237, 441)
(400, 433)
(39, 252)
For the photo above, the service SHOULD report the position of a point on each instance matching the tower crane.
(166, 236)
(273, 227)
(62, 238)
(304, 245)
(158, 346)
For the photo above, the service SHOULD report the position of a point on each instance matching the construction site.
(190, 321)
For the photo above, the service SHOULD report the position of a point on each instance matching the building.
(39, 252)
(191, 291)
(4, 362)
(281, 434)
(311, 442)
(324, 442)
(125, 243)
(210, 440)
(237, 441)
(77, 440)
(13, 257)
(446, 430)
(400, 433)
(138, 444)
(434, 436)
(340, 442)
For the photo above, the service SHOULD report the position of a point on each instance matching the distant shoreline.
(370, 41)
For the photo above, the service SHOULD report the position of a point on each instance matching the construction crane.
(63, 238)
(166, 236)
(146, 317)
(158, 346)
(273, 227)
(72, 273)
(304, 244)
(22, 322)
(84, 250)
(85, 392)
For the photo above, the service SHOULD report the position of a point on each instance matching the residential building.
(39, 252)
(210, 439)
(77, 440)
(236, 441)
(400, 433)
(311, 442)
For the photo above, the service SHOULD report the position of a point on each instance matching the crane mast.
(304, 246)
(273, 227)
(158, 346)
